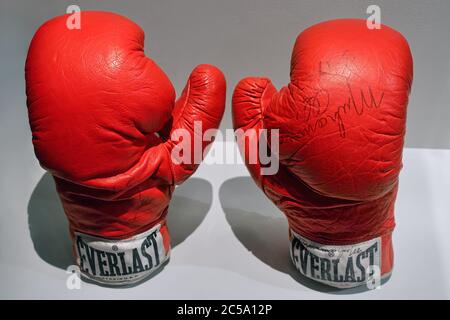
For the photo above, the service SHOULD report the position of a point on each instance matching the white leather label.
(118, 262)
(338, 266)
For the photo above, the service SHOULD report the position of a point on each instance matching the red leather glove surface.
(101, 114)
(341, 123)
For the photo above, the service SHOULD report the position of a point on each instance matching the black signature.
(319, 111)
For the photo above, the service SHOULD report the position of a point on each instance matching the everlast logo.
(322, 263)
(131, 259)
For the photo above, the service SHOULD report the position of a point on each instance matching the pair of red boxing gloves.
(102, 115)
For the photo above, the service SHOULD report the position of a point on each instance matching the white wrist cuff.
(341, 266)
(120, 262)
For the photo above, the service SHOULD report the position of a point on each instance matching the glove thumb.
(198, 110)
(250, 99)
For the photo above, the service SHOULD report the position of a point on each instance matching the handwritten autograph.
(315, 110)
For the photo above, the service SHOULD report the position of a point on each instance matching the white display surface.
(228, 241)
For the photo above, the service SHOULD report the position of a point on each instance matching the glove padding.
(341, 123)
(102, 114)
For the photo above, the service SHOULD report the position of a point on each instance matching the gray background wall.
(242, 37)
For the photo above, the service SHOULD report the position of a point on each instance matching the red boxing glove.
(341, 124)
(101, 114)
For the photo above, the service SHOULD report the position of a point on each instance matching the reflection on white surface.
(231, 242)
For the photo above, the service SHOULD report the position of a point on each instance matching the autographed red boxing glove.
(341, 123)
(101, 114)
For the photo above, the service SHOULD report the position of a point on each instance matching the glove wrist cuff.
(121, 261)
(343, 266)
